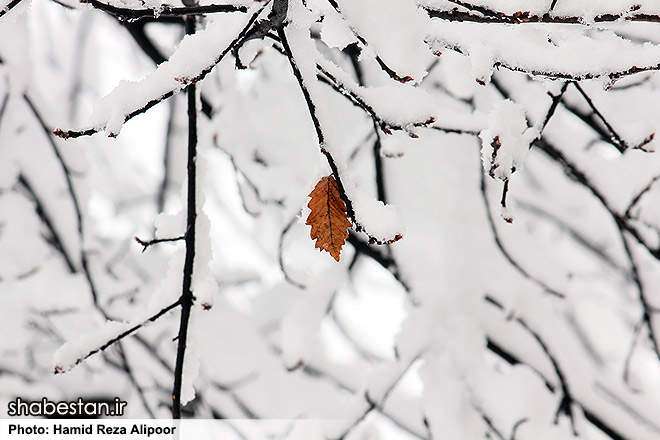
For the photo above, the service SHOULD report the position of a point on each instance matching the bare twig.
(614, 136)
(502, 248)
(11, 5)
(84, 262)
(635, 200)
(280, 252)
(187, 297)
(556, 99)
(377, 405)
(490, 424)
(167, 153)
(54, 238)
(566, 403)
(575, 234)
(146, 243)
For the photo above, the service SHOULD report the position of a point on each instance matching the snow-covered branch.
(134, 14)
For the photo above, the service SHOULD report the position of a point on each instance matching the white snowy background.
(534, 321)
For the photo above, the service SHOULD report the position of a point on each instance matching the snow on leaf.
(328, 217)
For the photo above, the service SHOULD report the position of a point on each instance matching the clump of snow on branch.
(196, 53)
(404, 52)
(191, 361)
(505, 142)
(482, 60)
(383, 221)
(394, 103)
(545, 49)
(204, 285)
(335, 32)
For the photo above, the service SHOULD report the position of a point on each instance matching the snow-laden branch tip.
(506, 140)
(73, 352)
(193, 60)
(551, 52)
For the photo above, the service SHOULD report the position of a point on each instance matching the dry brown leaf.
(328, 217)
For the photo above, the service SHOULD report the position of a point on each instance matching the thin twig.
(604, 425)
(575, 234)
(627, 363)
(147, 243)
(616, 139)
(622, 224)
(635, 200)
(490, 424)
(377, 405)
(378, 167)
(54, 238)
(124, 334)
(9, 7)
(556, 99)
(126, 367)
(187, 297)
(502, 248)
(566, 403)
(280, 255)
(647, 309)
(590, 119)
(84, 262)
(167, 153)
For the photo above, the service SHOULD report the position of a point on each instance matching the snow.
(191, 360)
(14, 46)
(395, 103)
(396, 33)
(386, 224)
(70, 353)
(301, 324)
(413, 332)
(547, 50)
(482, 62)
(586, 9)
(384, 221)
(195, 54)
(506, 142)
(335, 32)
(204, 286)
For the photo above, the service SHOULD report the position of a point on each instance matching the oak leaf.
(328, 217)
